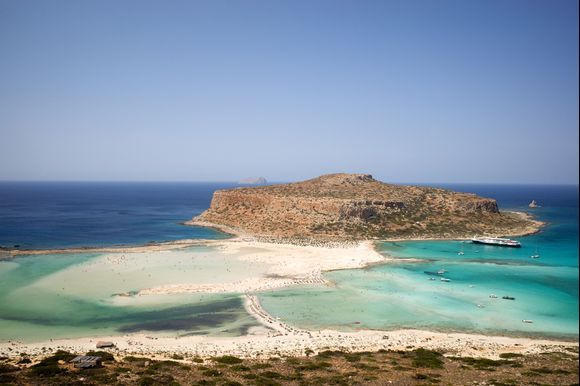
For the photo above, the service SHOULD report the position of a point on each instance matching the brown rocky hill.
(356, 206)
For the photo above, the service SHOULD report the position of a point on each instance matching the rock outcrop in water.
(253, 181)
(356, 206)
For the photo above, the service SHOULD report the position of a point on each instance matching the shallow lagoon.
(400, 294)
(72, 295)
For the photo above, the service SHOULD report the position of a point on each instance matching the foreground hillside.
(356, 206)
(418, 367)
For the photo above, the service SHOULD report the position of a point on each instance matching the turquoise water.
(56, 296)
(400, 295)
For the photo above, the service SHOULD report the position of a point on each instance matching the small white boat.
(493, 296)
(527, 321)
(441, 271)
(461, 253)
(445, 279)
(432, 278)
(534, 256)
(480, 306)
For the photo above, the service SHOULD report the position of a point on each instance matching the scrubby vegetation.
(417, 367)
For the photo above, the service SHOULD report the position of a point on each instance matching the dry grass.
(418, 367)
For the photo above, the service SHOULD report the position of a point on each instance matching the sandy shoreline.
(267, 342)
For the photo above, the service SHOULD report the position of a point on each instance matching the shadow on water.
(189, 317)
(193, 322)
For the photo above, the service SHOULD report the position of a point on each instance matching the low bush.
(228, 360)
(427, 358)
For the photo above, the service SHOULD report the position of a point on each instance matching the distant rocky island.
(358, 207)
(253, 181)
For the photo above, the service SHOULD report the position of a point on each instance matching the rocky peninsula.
(358, 207)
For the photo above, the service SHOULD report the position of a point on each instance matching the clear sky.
(409, 91)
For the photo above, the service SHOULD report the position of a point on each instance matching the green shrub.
(105, 356)
(50, 370)
(212, 373)
(314, 366)
(60, 355)
(4, 368)
(271, 375)
(240, 368)
(131, 358)
(7, 379)
(427, 358)
(484, 363)
(259, 366)
(508, 355)
(228, 360)
(146, 381)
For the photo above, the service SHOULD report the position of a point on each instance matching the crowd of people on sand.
(305, 242)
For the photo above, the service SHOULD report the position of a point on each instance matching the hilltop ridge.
(356, 206)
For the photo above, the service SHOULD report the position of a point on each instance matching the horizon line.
(285, 182)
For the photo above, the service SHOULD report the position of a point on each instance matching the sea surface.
(42, 297)
(41, 215)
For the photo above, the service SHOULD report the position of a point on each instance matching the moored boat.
(497, 241)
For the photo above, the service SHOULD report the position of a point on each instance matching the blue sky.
(409, 91)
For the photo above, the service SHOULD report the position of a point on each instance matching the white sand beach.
(285, 265)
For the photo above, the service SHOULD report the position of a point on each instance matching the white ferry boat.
(496, 241)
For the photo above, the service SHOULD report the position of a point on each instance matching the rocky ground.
(417, 367)
(358, 207)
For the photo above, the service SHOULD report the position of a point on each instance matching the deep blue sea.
(73, 214)
(42, 215)
(390, 296)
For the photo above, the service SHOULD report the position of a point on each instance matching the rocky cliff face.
(356, 206)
